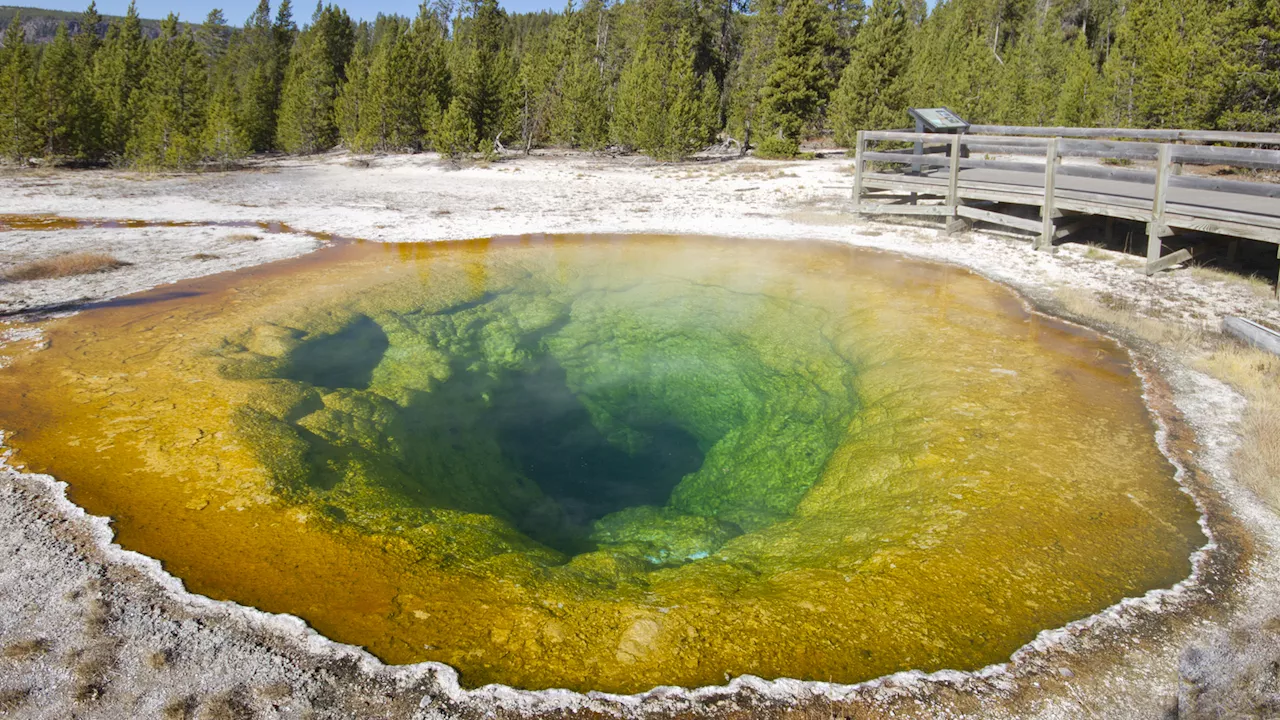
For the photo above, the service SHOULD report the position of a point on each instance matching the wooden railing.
(1165, 136)
(1018, 168)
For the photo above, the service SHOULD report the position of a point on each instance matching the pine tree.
(1078, 101)
(58, 110)
(798, 86)
(957, 58)
(223, 141)
(259, 76)
(340, 37)
(846, 18)
(19, 138)
(455, 134)
(374, 132)
(284, 29)
(1252, 97)
(746, 82)
(408, 86)
(349, 105)
(917, 11)
(1168, 66)
(117, 75)
(307, 123)
(87, 136)
(483, 76)
(170, 105)
(541, 67)
(429, 90)
(581, 118)
(662, 106)
(872, 91)
(213, 37)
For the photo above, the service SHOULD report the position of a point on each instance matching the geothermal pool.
(611, 463)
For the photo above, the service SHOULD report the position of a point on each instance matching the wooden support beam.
(857, 170)
(1047, 210)
(888, 209)
(956, 225)
(1177, 257)
(996, 218)
(1155, 228)
(1072, 228)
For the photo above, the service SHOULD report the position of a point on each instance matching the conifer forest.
(666, 78)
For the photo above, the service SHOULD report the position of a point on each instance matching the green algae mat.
(613, 463)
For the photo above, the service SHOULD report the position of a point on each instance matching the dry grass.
(771, 170)
(1253, 373)
(26, 649)
(1256, 375)
(11, 700)
(1100, 252)
(1259, 286)
(64, 266)
(182, 708)
(1094, 251)
(1125, 317)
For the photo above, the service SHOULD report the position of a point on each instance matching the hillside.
(39, 25)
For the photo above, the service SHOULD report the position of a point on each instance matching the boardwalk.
(984, 178)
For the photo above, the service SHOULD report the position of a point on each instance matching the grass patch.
(1256, 375)
(26, 649)
(64, 266)
(1253, 373)
(1095, 252)
(1125, 316)
(747, 167)
(1257, 285)
(11, 700)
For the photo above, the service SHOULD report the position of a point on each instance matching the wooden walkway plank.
(1166, 200)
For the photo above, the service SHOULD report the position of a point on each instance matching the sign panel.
(939, 119)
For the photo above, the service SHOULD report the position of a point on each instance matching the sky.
(237, 11)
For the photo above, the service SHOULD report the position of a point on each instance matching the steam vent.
(606, 463)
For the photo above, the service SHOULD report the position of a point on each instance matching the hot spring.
(612, 463)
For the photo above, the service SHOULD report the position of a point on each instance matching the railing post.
(1156, 228)
(917, 150)
(953, 179)
(955, 223)
(1047, 210)
(859, 147)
